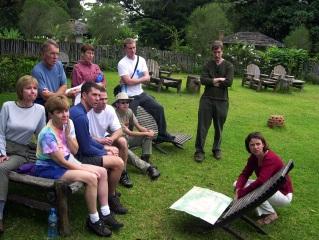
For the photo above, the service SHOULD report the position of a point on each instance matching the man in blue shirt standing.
(92, 152)
(50, 73)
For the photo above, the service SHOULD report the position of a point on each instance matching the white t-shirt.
(103, 123)
(126, 67)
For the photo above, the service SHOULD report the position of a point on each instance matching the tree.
(204, 26)
(40, 18)
(106, 22)
(9, 11)
(275, 18)
(299, 38)
(159, 23)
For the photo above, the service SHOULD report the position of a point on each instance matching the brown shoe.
(1, 226)
(268, 219)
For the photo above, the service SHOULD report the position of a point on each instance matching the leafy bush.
(11, 69)
(10, 34)
(292, 59)
(242, 55)
(108, 64)
(312, 78)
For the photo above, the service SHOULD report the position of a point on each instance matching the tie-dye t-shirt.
(52, 139)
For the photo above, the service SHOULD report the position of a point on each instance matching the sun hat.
(122, 96)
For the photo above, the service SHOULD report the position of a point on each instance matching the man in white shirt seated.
(106, 129)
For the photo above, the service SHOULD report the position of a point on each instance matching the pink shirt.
(85, 72)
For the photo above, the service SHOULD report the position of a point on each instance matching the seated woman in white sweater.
(19, 121)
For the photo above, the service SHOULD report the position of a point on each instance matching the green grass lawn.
(148, 202)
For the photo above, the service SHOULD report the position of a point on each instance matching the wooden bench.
(238, 208)
(147, 121)
(57, 196)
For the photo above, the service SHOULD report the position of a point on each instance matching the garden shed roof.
(255, 38)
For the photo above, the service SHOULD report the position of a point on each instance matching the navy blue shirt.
(87, 145)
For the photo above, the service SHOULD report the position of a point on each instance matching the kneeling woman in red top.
(265, 163)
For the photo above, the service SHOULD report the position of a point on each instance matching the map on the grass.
(203, 203)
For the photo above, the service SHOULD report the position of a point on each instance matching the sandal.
(268, 219)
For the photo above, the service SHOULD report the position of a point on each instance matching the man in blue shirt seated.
(92, 152)
(50, 73)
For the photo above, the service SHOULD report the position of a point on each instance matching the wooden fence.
(103, 54)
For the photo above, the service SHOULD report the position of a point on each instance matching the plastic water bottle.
(99, 78)
(52, 224)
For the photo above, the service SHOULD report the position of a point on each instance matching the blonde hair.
(22, 83)
(59, 103)
(128, 41)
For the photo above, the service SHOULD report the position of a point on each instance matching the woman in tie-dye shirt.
(56, 146)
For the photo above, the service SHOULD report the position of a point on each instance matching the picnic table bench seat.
(147, 121)
(239, 207)
(57, 196)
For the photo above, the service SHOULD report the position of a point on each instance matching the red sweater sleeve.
(270, 165)
(245, 174)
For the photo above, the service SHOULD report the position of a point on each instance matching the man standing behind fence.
(50, 73)
(217, 76)
(133, 72)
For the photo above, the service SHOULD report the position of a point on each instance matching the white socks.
(105, 210)
(94, 217)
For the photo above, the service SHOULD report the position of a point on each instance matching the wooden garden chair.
(239, 207)
(252, 77)
(147, 121)
(160, 78)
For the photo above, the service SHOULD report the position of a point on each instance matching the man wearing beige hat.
(143, 137)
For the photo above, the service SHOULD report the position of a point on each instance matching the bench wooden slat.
(147, 121)
(31, 180)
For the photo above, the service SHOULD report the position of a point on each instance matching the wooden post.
(61, 189)
(193, 84)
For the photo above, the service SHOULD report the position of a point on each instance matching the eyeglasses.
(125, 102)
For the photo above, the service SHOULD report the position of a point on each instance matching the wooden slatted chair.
(252, 77)
(279, 80)
(238, 208)
(160, 78)
(147, 120)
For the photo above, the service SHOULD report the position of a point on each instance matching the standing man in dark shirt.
(217, 76)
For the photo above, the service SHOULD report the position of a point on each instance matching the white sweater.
(18, 124)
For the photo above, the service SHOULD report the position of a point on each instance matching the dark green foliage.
(298, 38)
(312, 78)
(276, 18)
(149, 17)
(242, 55)
(292, 59)
(11, 69)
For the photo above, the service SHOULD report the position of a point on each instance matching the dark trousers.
(209, 110)
(153, 108)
